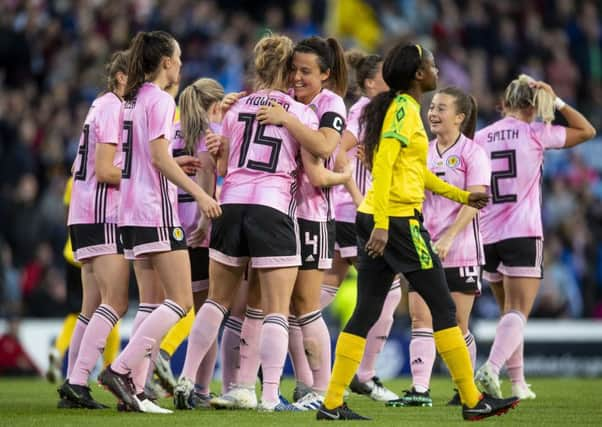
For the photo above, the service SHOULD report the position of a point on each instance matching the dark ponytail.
(362, 67)
(371, 122)
(330, 57)
(146, 52)
(117, 63)
(399, 70)
(469, 125)
(338, 72)
(465, 104)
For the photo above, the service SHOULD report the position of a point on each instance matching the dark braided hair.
(399, 70)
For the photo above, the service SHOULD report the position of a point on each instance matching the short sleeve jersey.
(314, 203)
(148, 199)
(94, 202)
(344, 206)
(188, 209)
(262, 160)
(516, 150)
(464, 164)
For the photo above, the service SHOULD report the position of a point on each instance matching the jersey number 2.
(259, 138)
(510, 172)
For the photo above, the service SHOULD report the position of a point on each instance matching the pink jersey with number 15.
(516, 150)
(262, 160)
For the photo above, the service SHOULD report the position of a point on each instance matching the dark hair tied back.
(362, 66)
(465, 104)
(330, 57)
(399, 71)
(146, 52)
(117, 63)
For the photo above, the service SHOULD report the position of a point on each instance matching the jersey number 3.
(259, 138)
(80, 174)
(128, 127)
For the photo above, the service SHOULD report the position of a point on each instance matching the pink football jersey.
(148, 199)
(464, 164)
(516, 150)
(262, 161)
(344, 207)
(93, 202)
(315, 204)
(188, 209)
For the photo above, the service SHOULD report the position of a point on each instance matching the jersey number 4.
(259, 138)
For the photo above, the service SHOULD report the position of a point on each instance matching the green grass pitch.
(560, 402)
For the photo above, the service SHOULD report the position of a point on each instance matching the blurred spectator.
(49, 297)
(36, 270)
(9, 284)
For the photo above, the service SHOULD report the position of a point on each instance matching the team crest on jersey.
(313, 108)
(178, 234)
(453, 161)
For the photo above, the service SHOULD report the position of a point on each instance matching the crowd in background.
(52, 55)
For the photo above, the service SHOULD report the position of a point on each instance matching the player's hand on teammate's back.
(272, 114)
(189, 164)
(230, 99)
(213, 141)
(209, 206)
(377, 242)
(478, 200)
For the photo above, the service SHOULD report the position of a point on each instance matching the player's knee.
(120, 307)
(184, 301)
(301, 305)
(444, 316)
(362, 320)
(421, 321)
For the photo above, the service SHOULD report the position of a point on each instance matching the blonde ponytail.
(520, 95)
(272, 57)
(194, 102)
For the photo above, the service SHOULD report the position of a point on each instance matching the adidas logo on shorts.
(470, 279)
(310, 258)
